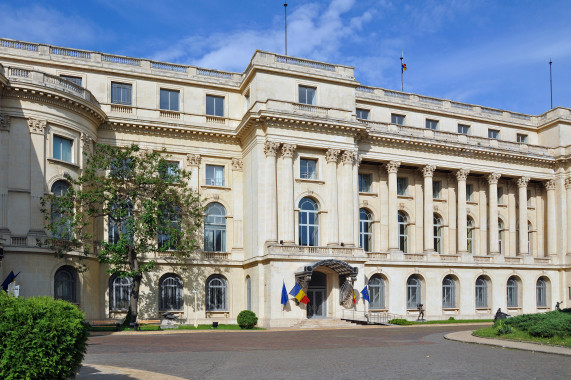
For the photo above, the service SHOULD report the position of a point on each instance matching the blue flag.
(11, 277)
(284, 295)
(365, 293)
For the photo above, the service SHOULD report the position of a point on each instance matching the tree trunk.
(134, 302)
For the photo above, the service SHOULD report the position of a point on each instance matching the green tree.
(147, 203)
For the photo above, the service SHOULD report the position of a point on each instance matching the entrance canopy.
(340, 267)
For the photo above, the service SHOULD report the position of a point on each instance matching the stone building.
(309, 177)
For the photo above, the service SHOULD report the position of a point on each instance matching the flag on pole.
(299, 294)
(11, 277)
(354, 297)
(365, 293)
(284, 295)
(403, 67)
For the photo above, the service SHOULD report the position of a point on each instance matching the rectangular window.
(308, 169)
(169, 171)
(397, 119)
(63, 149)
(463, 129)
(436, 187)
(469, 192)
(121, 93)
(493, 134)
(432, 124)
(362, 114)
(500, 194)
(529, 198)
(169, 100)
(76, 80)
(215, 105)
(214, 175)
(364, 183)
(521, 138)
(307, 95)
(402, 184)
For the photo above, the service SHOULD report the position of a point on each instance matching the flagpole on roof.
(285, 25)
(401, 72)
(550, 83)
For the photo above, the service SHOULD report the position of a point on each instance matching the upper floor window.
(365, 229)
(521, 138)
(432, 124)
(214, 175)
(307, 95)
(402, 184)
(215, 105)
(215, 228)
(63, 149)
(364, 183)
(437, 233)
(62, 228)
(464, 129)
(169, 171)
(470, 235)
(308, 222)
(362, 114)
(308, 168)
(75, 80)
(397, 119)
(403, 231)
(169, 228)
(169, 100)
(469, 192)
(120, 222)
(493, 134)
(500, 195)
(121, 93)
(436, 188)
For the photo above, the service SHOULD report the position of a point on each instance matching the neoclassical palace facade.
(308, 176)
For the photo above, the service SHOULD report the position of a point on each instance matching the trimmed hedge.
(40, 338)
(400, 322)
(247, 319)
(545, 325)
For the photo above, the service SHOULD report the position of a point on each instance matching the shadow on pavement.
(88, 373)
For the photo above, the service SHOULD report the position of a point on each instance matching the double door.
(316, 305)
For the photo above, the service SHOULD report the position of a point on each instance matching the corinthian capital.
(37, 126)
(549, 185)
(428, 170)
(4, 122)
(193, 159)
(348, 157)
(493, 178)
(392, 166)
(568, 185)
(522, 181)
(271, 148)
(331, 155)
(288, 150)
(237, 164)
(462, 174)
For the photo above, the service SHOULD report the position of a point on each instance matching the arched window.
(470, 235)
(215, 228)
(120, 292)
(366, 230)
(377, 292)
(529, 245)
(62, 227)
(512, 292)
(119, 222)
(481, 292)
(413, 292)
(403, 231)
(248, 293)
(170, 292)
(501, 236)
(448, 292)
(216, 293)
(541, 292)
(437, 233)
(308, 222)
(65, 284)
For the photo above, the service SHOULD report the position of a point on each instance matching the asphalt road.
(358, 353)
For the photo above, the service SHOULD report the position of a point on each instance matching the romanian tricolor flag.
(354, 297)
(299, 294)
(403, 67)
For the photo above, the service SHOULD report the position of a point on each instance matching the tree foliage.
(145, 201)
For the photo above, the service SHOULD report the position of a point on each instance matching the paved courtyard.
(358, 353)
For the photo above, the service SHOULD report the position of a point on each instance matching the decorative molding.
(522, 181)
(549, 185)
(237, 164)
(428, 170)
(87, 143)
(288, 150)
(4, 122)
(359, 159)
(493, 178)
(348, 157)
(37, 126)
(392, 166)
(462, 174)
(271, 148)
(331, 155)
(193, 159)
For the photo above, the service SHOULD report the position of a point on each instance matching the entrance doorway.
(316, 292)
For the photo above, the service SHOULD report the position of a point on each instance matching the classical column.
(522, 214)
(392, 168)
(286, 223)
(568, 189)
(493, 201)
(37, 172)
(347, 217)
(271, 151)
(4, 157)
(193, 161)
(238, 201)
(428, 172)
(331, 156)
(462, 232)
(551, 218)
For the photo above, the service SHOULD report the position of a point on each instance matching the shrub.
(503, 328)
(40, 338)
(451, 319)
(400, 322)
(545, 325)
(247, 319)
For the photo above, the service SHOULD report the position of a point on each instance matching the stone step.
(316, 323)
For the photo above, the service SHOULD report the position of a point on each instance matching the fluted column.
(331, 156)
(38, 129)
(522, 215)
(286, 223)
(193, 162)
(4, 157)
(462, 232)
(392, 168)
(568, 189)
(493, 201)
(346, 213)
(428, 172)
(551, 218)
(271, 151)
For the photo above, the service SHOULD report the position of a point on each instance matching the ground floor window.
(512, 292)
(216, 293)
(377, 292)
(413, 292)
(481, 292)
(448, 292)
(120, 292)
(170, 293)
(541, 293)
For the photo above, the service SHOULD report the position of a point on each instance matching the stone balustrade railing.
(297, 250)
(456, 258)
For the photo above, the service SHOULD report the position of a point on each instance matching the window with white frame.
(541, 292)
(61, 223)
(397, 119)
(169, 170)
(216, 293)
(469, 192)
(481, 292)
(403, 231)
(170, 293)
(169, 99)
(121, 93)
(529, 236)
(437, 233)
(215, 105)
(448, 292)
(463, 129)
(308, 222)
(365, 230)
(169, 229)
(413, 292)
(432, 124)
(512, 292)
(500, 195)
(307, 95)
(308, 168)
(362, 114)
(501, 237)
(377, 292)
(402, 185)
(214, 175)
(436, 188)
(470, 234)
(365, 183)
(521, 138)
(119, 292)
(62, 148)
(215, 228)
(493, 134)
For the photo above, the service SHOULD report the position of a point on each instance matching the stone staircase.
(323, 323)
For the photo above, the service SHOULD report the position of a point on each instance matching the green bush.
(40, 338)
(544, 325)
(247, 319)
(503, 328)
(451, 319)
(400, 322)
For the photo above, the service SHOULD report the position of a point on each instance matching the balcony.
(299, 250)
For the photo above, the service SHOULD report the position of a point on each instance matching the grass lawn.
(491, 332)
(403, 322)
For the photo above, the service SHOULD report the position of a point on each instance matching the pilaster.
(286, 207)
(38, 156)
(551, 218)
(427, 173)
(522, 215)
(462, 176)
(392, 169)
(4, 159)
(271, 151)
(493, 202)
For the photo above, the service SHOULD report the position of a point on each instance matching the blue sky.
(492, 53)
